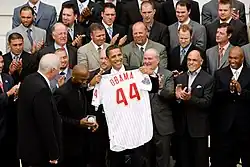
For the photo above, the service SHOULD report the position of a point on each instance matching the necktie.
(62, 73)
(71, 33)
(30, 37)
(110, 32)
(99, 50)
(142, 51)
(182, 55)
(1, 86)
(220, 56)
(236, 75)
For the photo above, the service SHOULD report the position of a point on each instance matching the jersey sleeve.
(96, 99)
(143, 80)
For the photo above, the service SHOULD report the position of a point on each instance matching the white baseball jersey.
(127, 108)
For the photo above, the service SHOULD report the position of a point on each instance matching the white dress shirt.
(236, 72)
(114, 71)
(143, 46)
(191, 77)
(36, 6)
(82, 5)
(96, 47)
(185, 22)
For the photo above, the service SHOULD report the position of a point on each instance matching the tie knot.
(29, 30)
(142, 49)
(62, 73)
(62, 48)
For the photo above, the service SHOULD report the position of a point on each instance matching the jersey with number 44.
(126, 104)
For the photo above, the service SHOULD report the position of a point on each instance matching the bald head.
(80, 74)
(59, 34)
(194, 60)
(139, 33)
(236, 57)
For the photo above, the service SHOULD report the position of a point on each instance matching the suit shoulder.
(157, 45)
(40, 30)
(48, 6)
(246, 47)
(128, 46)
(84, 47)
(167, 72)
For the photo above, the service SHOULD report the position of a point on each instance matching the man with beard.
(73, 106)
(34, 37)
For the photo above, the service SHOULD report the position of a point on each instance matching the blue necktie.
(30, 37)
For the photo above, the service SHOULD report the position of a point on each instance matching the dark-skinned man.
(231, 117)
(127, 145)
(73, 107)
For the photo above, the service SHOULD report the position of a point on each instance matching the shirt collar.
(65, 71)
(46, 79)
(144, 46)
(196, 72)
(13, 55)
(113, 71)
(228, 21)
(110, 1)
(225, 47)
(58, 46)
(106, 26)
(1, 80)
(185, 22)
(37, 5)
(26, 28)
(83, 4)
(156, 70)
(186, 48)
(96, 47)
(238, 70)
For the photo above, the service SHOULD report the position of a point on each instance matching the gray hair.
(48, 62)
(154, 52)
(56, 25)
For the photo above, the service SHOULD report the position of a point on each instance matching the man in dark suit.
(239, 36)
(194, 92)
(231, 118)
(59, 34)
(65, 72)
(87, 13)
(76, 32)
(161, 112)
(17, 62)
(8, 156)
(168, 16)
(157, 31)
(178, 56)
(108, 18)
(74, 107)
(39, 125)
(45, 15)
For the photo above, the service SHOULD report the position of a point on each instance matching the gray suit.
(210, 11)
(199, 37)
(38, 35)
(212, 55)
(45, 19)
(132, 55)
(89, 56)
(54, 82)
(162, 119)
(246, 50)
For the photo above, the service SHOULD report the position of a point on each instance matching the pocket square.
(198, 86)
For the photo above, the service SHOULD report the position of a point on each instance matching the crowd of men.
(63, 95)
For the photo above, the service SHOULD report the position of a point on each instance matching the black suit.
(39, 124)
(168, 14)
(239, 36)
(8, 155)
(231, 120)
(72, 51)
(28, 66)
(73, 105)
(94, 7)
(191, 121)
(117, 29)
(158, 33)
(174, 59)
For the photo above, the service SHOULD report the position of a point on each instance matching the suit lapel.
(5, 83)
(242, 77)
(94, 52)
(137, 52)
(224, 59)
(197, 78)
(40, 12)
(153, 29)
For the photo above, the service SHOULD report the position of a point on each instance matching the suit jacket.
(94, 7)
(161, 111)
(238, 38)
(212, 55)
(210, 11)
(89, 56)
(72, 53)
(231, 108)
(54, 82)
(193, 115)
(168, 13)
(38, 35)
(8, 83)
(45, 19)
(246, 50)
(73, 105)
(158, 33)
(174, 59)
(199, 37)
(117, 29)
(39, 124)
(28, 66)
(132, 55)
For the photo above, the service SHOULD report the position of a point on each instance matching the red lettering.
(95, 93)
(112, 82)
(116, 80)
(121, 79)
(131, 76)
(120, 97)
(133, 92)
(125, 75)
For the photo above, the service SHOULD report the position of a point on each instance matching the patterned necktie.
(142, 51)
(220, 56)
(110, 32)
(35, 12)
(182, 55)
(1, 86)
(71, 33)
(30, 37)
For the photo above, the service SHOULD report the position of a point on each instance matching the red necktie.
(220, 56)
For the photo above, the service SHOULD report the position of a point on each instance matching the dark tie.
(142, 51)
(99, 50)
(62, 73)
(30, 37)
(182, 55)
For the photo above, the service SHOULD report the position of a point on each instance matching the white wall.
(7, 7)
